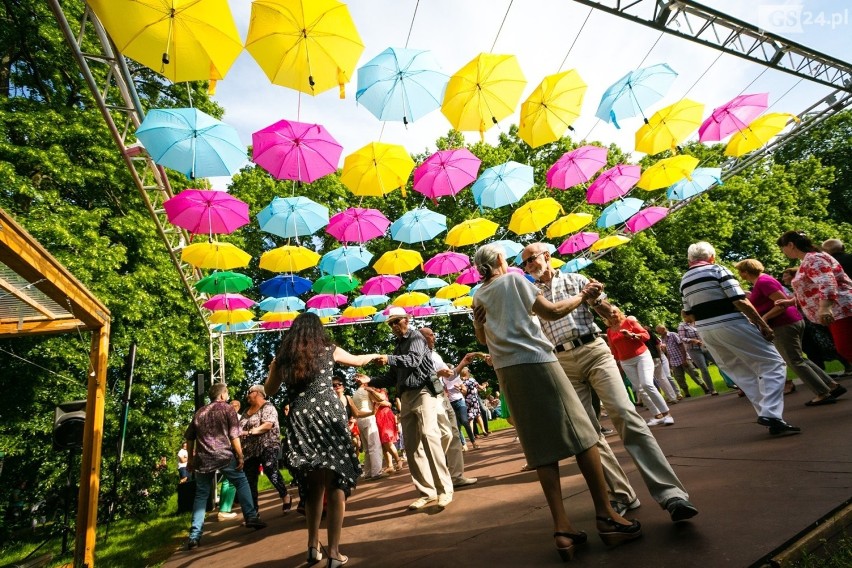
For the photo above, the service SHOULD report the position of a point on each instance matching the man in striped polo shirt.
(714, 300)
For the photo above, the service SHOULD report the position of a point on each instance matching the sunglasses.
(532, 258)
(335, 385)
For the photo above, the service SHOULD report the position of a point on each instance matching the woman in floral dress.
(471, 399)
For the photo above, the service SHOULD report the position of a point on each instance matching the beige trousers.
(426, 461)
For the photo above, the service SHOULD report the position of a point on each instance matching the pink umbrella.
(357, 225)
(276, 324)
(446, 173)
(228, 302)
(446, 263)
(576, 167)
(469, 276)
(578, 242)
(205, 211)
(381, 284)
(417, 311)
(344, 319)
(295, 150)
(321, 301)
(613, 183)
(733, 116)
(645, 218)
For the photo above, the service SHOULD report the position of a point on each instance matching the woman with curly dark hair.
(318, 440)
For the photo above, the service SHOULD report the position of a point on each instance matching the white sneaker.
(668, 421)
(422, 502)
(655, 421)
(464, 481)
(226, 516)
(444, 499)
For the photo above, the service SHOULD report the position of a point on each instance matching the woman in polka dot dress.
(318, 439)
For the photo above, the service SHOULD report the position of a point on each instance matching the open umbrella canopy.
(223, 283)
(453, 291)
(398, 261)
(636, 91)
(534, 215)
(428, 283)
(463, 302)
(469, 276)
(578, 242)
(446, 172)
(183, 40)
(401, 84)
(242, 326)
(609, 242)
(669, 126)
(276, 324)
(733, 116)
(286, 304)
(418, 225)
(646, 218)
(288, 258)
(445, 263)
(701, 180)
(551, 108)
(471, 232)
(568, 224)
(357, 225)
(288, 316)
(575, 265)
(230, 317)
(308, 45)
(410, 299)
(613, 183)
(296, 151)
(510, 248)
(335, 284)
(439, 302)
(191, 142)
(218, 256)
(576, 167)
(292, 217)
(228, 302)
(326, 301)
(370, 300)
(203, 211)
(666, 172)
(377, 169)
(757, 133)
(285, 285)
(358, 312)
(382, 284)
(324, 313)
(420, 311)
(483, 92)
(503, 184)
(619, 212)
(345, 260)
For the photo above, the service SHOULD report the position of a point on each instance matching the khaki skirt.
(549, 418)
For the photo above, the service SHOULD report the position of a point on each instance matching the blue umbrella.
(634, 92)
(418, 225)
(502, 185)
(370, 300)
(446, 308)
(401, 84)
(511, 248)
(191, 142)
(702, 180)
(241, 326)
(474, 289)
(379, 317)
(285, 285)
(440, 302)
(619, 212)
(325, 312)
(519, 261)
(427, 283)
(286, 304)
(575, 265)
(292, 217)
(345, 260)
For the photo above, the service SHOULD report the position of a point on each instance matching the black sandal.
(577, 539)
(618, 533)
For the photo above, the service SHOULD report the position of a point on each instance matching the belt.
(574, 343)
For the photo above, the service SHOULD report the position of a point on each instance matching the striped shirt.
(709, 292)
(577, 323)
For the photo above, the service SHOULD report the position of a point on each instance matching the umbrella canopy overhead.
(510, 248)
(398, 261)
(463, 302)
(377, 169)
(308, 45)
(370, 300)
(733, 116)
(701, 180)
(576, 167)
(609, 242)
(445, 263)
(382, 284)
(551, 108)
(418, 225)
(453, 291)
(286, 304)
(578, 242)
(357, 225)
(230, 317)
(223, 283)
(575, 265)
(320, 301)
(279, 317)
(292, 217)
(446, 172)
(503, 184)
(242, 326)
(483, 92)
(636, 91)
(401, 84)
(471, 232)
(613, 183)
(345, 260)
(666, 172)
(191, 142)
(203, 211)
(218, 256)
(759, 132)
(335, 284)
(428, 283)
(534, 215)
(358, 312)
(669, 126)
(285, 285)
(228, 302)
(288, 258)
(646, 218)
(296, 151)
(469, 276)
(568, 224)
(410, 299)
(619, 212)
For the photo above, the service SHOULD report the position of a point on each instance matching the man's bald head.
(429, 335)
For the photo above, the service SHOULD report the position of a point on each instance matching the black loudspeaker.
(199, 391)
(68, 422)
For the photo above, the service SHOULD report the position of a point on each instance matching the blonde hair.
(750, 266)
(487, 259)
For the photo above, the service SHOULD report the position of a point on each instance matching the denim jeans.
(460, 408)
(203, 483)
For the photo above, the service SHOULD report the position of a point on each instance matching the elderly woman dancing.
(549, 418)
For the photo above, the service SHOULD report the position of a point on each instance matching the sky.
(540, 33)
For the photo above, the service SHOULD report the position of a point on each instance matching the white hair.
(700, 251)
(486, 259)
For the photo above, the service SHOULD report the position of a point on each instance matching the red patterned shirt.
(820, 277)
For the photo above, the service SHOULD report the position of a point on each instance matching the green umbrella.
(223, 283)
(335, 284)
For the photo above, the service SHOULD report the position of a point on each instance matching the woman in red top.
(627, 340)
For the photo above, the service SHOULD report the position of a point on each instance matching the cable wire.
(506, 15)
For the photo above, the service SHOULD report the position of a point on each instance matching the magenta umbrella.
(446, 263)
(296, 150)
(446, 173)
(645, 218)
(469, 276)
(733, 116)
(205, 211)
(613, 183)
(576, 167)
(321, 301)
(381, 285)
(357, 225)
(576, 243)
(419, 311)
(228, 302)
(276, 324)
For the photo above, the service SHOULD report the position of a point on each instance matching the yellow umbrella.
(568, 224)
(609, 242)
(667, 172)
(669, 126)
(452, 291)
(555, 263)
(551, 108)
(358, 312)
(398, 261)
(279, 316)
(230, 317)
(184, 40)
(288, 258)
(534, 215)
(463, 302)
(307, 45)
(483, 92)
(377, 169)
(470, 232)
(218, 256)
(411, 299)
(758, 133)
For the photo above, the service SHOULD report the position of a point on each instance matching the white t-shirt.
(362, 401)
(183, 457)
(454, 388)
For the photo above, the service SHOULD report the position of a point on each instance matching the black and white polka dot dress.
(318, 435)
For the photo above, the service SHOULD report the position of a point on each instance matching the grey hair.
(700, 251)
(486, 259)
(216, 390)
(259, 389)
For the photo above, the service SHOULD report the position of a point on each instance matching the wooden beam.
(21, 329)
(21, 296)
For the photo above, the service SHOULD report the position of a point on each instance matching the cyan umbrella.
(702, 180)
(191, 142)
(286, 304)
(438, 302)
(285, 285)
(234, 327)
(345, 260)
(502, 185)
(401, 84)
(636, 91)
(292, 217)
(324, 312)
(370, 300)
(511, 248)
(428, 283)
(619, 212)
(418, 225)
(576, 265)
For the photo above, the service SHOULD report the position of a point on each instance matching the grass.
(835, 555)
